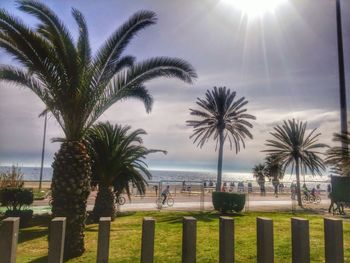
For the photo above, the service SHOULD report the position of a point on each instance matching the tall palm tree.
(339, 156)
(222, 117)
(117, 156)
(77, 87)
(294, 147)
(259, 172)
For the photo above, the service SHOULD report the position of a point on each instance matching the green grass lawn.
(126, 238)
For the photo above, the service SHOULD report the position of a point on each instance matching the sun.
(255, 8)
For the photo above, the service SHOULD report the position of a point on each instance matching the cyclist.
(313, 192)
(305, 190)
(165, 194)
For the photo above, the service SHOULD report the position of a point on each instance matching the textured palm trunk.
(70, 190)
(298, 182)
(104, 204)
(221, 153)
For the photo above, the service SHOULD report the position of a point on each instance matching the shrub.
(227, 202)
(25, 216)
(15, 198)
(11, 178)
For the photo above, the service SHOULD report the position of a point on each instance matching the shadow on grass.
(174, 218)
(39, 260)
(30, 234)
(123, 214)
(42, 220)
(91, 220)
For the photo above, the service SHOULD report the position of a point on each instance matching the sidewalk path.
(146, 205)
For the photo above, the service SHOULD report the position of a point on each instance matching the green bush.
(227, 202)
(25, 216)
(15, 198)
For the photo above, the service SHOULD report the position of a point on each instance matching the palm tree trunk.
(298, 181)
(104, 204)
(221, 153)
(70, 190)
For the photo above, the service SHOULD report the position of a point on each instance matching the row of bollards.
(333, 237)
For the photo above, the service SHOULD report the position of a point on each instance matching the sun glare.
(255, 8)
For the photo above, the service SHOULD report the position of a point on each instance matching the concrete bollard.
(333, 240)
(9, 239)
(226, 240)
(300, 240)
(56, 240)
(189, 239)
(104, 227)
(264, 242)
(147, 242)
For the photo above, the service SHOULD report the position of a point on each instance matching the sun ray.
(255, 8)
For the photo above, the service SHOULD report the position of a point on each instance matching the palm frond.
(53, 29)
(118, 156)
(338, 157)
(76, 87)
(291, 143)
(220, 111)
(117, 42)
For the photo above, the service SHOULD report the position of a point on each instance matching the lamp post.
(343, 107)
(43, 153)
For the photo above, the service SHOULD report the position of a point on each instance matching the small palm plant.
(222, 117)
(117, 156)
(339, 156)
(293, 147)
(77, 87)
(259, 172)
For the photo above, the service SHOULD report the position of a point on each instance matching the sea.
(33, 174)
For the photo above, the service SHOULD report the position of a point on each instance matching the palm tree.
(222, 117)
(117, 158)
(293, 147)
(77, 87)
(274, 171)
(273, 168)
(339, 156)
(259, 172)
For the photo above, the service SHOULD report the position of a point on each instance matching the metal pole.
(343, 108)
(43, 153)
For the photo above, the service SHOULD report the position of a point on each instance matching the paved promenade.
(196, 201)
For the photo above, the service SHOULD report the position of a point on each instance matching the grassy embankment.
(126, 236)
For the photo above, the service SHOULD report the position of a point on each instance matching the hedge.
(340, 188)
(227, 202)
(25, 216)
(15, 198)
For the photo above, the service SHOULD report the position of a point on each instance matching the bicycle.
(120, 200)
(307, 199)
(169, 201)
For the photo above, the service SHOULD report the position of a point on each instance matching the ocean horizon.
(33, 174)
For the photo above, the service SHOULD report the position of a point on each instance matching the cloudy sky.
(284, 62)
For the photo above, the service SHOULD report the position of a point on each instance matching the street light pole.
(43, 153)
(343, 107)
